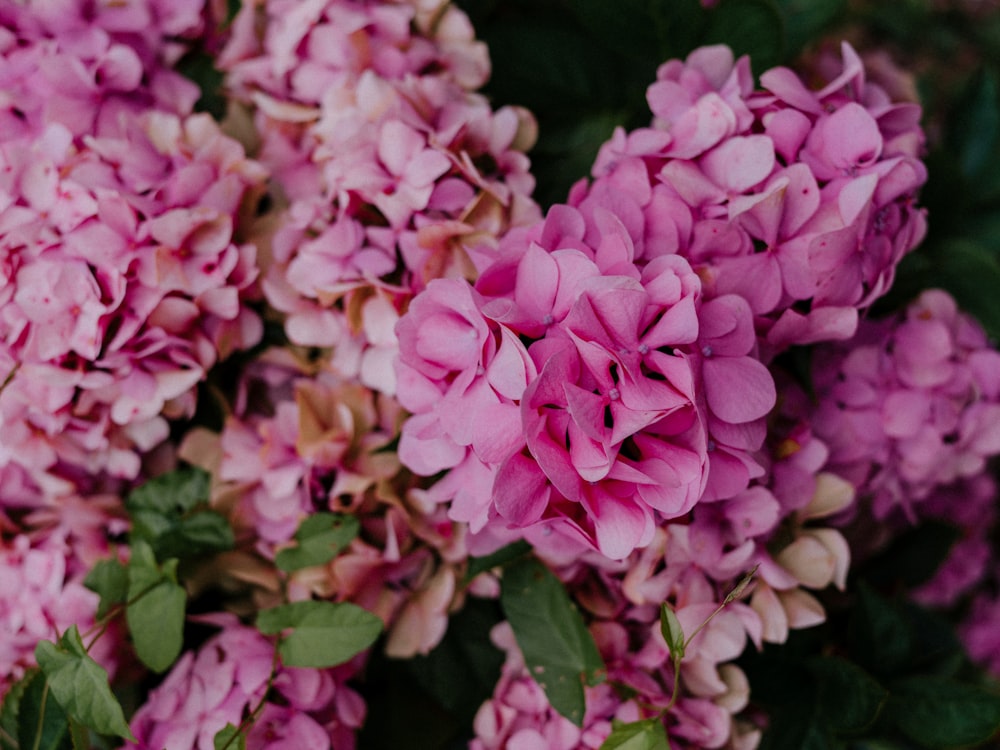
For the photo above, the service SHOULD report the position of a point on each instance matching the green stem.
(41, 717)
(251, 719)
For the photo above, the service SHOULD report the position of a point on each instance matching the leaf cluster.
(886, 674)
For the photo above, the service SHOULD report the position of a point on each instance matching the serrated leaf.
(109, 579)
(80, 685)
(42, 722)
(323, 634)
(672, 632)
(558, 649)
(155, 614)
(229, 738)
(320, 538)
(848, 698)
(648, 734)
(939, 713)
(171, 514)
(498, 559)
(176, 491)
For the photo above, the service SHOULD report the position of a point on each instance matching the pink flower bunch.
(575, 391)
(393, 169)
(40, 598)
(801, 202)
(970, 505)
(910, 406)
(318, 444)
(123, 284)
(91, 67)
(227, 678)
(627, 632)
(979, 632)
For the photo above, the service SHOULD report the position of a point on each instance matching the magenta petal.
(521, 491)
(620, 525)
(740, 163)
(738, 389)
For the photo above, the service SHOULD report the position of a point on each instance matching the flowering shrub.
(329, 415)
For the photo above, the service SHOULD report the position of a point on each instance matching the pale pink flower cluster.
(910, 406)
(123, 284)
(625, 611)
(392, 167)
(801, 202)
(227, 678)
(91, 67)
(40, 598)
(305, 441)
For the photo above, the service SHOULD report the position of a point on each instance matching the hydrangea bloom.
(317, 444)
(39, 600)
(88, 67)
(227, 678)
(911, 405)
(606, 420)
(799, 201)
(393, 168)
(124, 284)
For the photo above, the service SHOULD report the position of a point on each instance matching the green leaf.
(502, 557)
(176, 491)
(230, 738)
(558, 649)
(79, 735)
(462, 670)
(171, 514)
(624, 26)
(808, 20)
(155, 613)
(648, 734)
(672, 631)
(10, 708)
(81, 685)
(879, 634)
(42, 722)
(976, 124)
(971, 273)
(320, 537)
(109, 579)
(680, 26)
(939, 713)
(752, 27)
(913, 556)
(849, 699)
(324, 634)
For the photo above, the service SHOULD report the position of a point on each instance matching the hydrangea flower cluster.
(911, 406)
(315, 443)
(91, 67)
(392, 168)
(801, 202)
(41, 596)
(230, 677)
(124, 285)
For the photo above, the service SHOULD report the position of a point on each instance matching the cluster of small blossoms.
(41, 596)
(910, 406)
(391, 167)
(801, 202)
(91, 67)
(570, 392)
(228, 679)
(622, 599)
(310, 442)
(123, 284)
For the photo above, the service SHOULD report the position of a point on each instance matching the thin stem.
(41, 717)
(251, 719)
